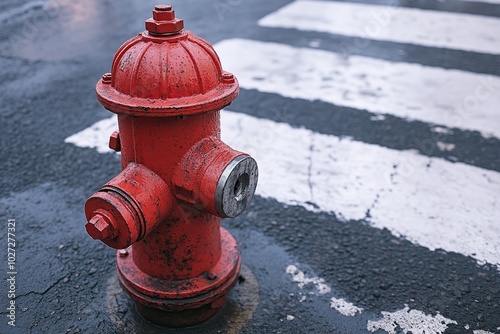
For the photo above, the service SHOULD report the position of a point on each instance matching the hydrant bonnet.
(173, 73)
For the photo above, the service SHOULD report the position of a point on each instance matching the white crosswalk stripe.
(451, 98)
(391, 23)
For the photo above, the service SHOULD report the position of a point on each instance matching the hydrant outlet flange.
(128, 207)
(236, 186)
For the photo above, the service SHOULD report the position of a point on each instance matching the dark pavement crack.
(43, 292)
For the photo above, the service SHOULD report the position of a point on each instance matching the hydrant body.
(163, 210)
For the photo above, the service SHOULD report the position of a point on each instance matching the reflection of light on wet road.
(70, 29)
(81, 13)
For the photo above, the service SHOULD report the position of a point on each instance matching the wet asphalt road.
(52, 54)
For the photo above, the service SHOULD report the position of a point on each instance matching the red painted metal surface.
(163, 210)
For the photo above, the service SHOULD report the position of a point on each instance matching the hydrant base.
(186, 302)
(181, 318)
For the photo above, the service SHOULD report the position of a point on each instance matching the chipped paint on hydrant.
(178, 179)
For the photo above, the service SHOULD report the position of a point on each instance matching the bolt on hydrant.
(162, 212)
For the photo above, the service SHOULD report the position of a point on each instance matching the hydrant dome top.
(166, 71)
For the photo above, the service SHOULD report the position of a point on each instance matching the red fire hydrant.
(163, 210)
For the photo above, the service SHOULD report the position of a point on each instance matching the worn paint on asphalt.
(344, 307)
(414, 321)
(410, 321)
(302, 280)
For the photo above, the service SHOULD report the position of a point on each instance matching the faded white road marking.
(441, 130)
(344, 307)
(391, 23)
(410, 321)
(302, 280)
(445, 146)
(339, 304)
(451, 98)
(430, 201)
(96, 136)
(377, 118)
